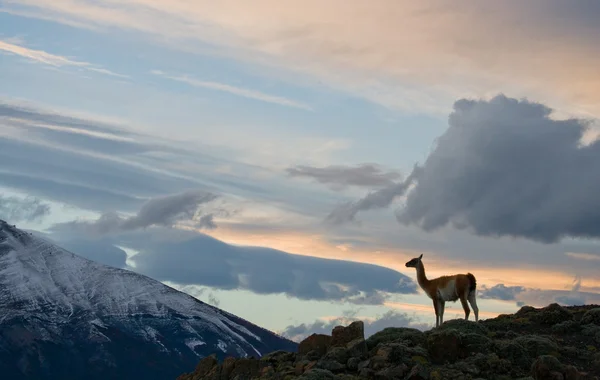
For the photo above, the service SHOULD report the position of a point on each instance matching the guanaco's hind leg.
(463, 301)
(473, 302)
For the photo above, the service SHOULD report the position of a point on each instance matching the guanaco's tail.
(473, 283)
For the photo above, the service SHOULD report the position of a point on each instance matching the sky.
(283, 161)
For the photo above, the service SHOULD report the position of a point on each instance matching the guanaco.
(447, 289)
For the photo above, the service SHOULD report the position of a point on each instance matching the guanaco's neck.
(421, 278)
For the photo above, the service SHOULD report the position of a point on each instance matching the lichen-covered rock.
(357, 348)
(315, 342)
(331, 365)
(395, 372)
(206, 365)
(536, 345)
(396, 334)
(527, 346)
(591, 316)
(419, 372)
(547, 367)
(551, 315)
(463, 326)
(445, 346)
(317, 374)
(338, 354)
(513, 352)
(341, 336)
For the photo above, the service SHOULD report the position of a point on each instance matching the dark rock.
(591, 316)
(312, 355)
(547, 367)
(445, 346)
(338, 354)
(317, 374)
(513, 352)
(206, 365)
(396, 334)
(396, 372)
(330, 365)
(352, 364)
(278, 356)
(227, 367)
(463, 326)
(566, 327)
(476, 343)
(364, 364)
(315, 342)
(245, 368)
(540, 343)
(536, 345)
(418, 372)
(357, 348)
(524, 310)
(341, 336)
(552, 314)
(366, 373)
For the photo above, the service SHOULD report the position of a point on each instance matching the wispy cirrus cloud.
(442, 53)
(54, 60)
(339, 176)
(235, 90)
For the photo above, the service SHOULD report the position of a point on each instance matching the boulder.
(341, 336)
(547, 367)
(445, 346)
(319, 343)
(591, 316)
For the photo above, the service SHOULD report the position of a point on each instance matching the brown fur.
(447, 289)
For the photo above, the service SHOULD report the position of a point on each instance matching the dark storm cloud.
(159, 211)
(381, 198)
(101, 251)
(389, 319)
(500, 292)
(505, 168)
(540, 297)
(16, 209)
(202, 260)
(367, 175)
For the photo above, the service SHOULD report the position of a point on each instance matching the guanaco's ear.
(420, 257)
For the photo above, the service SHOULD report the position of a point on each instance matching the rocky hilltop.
(554, 342)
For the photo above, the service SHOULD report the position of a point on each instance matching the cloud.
(213, 300)
(190, 258)
(444, 51)
(381, 198)
(504, 167)
(389, 319)
(583, 256)
(159, 211)
(540, 297)
(101, 251)
(500, 292)
(239, 91)
(41, 56)
(15, 209)
(366, 175)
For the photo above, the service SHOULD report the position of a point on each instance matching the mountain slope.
(63, 316)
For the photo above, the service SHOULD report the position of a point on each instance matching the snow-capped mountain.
(65, 317)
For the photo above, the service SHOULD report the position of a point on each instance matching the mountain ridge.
(60, 306)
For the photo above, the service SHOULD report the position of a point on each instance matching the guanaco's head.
(414, 262)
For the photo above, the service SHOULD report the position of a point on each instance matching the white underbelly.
(448, 292)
